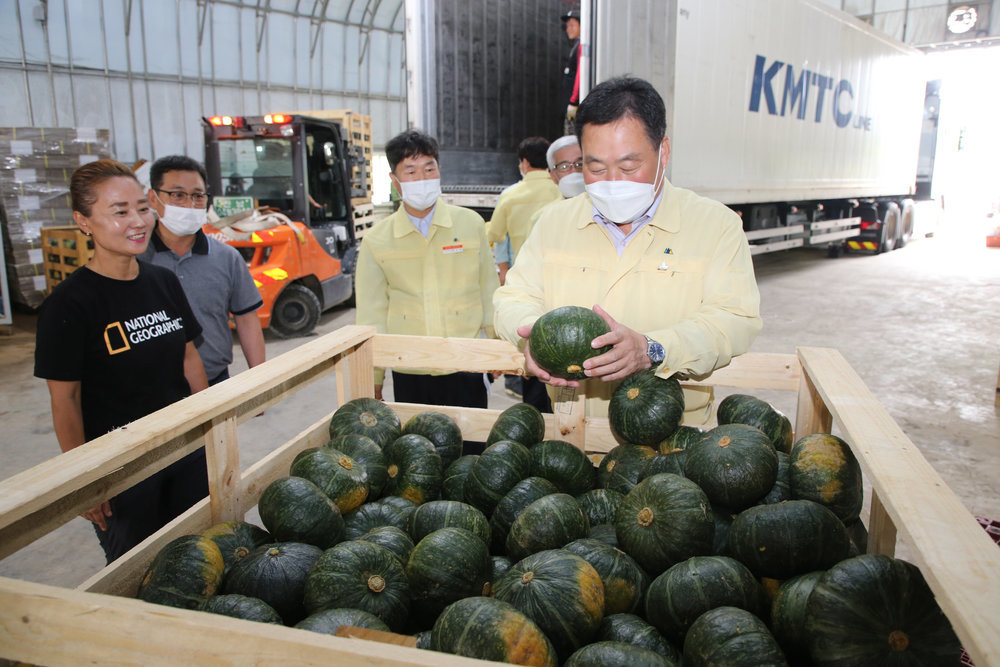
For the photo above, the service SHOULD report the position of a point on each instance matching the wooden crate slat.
(958, 559)
(447, 354)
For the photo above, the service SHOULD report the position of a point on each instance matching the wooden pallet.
(65, 249)
(99, 622)
(364, 218)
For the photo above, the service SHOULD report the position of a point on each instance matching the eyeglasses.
(564, 167)
(181, 198)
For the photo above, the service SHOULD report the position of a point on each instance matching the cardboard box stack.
(35, 168)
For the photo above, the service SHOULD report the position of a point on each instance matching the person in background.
(565, 161)
(512, 220)
(426, 270)
(669, 271)
(115, 342)
(571, 70)
(215, 278)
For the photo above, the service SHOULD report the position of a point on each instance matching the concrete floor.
(919, 325)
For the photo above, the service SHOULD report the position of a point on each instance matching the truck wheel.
(890, 228)
(906, 223)
(296, 312)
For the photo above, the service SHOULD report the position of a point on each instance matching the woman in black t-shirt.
(115, 342)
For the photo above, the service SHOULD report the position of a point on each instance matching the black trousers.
(534, 393)
(466, 390)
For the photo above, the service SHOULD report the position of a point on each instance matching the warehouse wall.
(149, 70)
(924, 22)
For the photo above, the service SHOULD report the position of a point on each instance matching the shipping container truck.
(803, 119)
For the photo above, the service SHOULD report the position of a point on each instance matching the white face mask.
(183, 221)
(622, 202)
(571, 185)
(420, 195)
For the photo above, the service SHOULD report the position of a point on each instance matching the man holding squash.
(669, 271)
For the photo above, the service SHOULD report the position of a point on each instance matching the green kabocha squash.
(558, 590)
(877, 610)
(438, 514)
(604, 653)
(560, 340)
(368, 417)
(424, 640)
(296, 510)
(185, 573)
(665, 519)
(733, 637)
(701, 583)
(363, 450)
(624, 581)
(453, 482)
(788, 615)
(632, 629)
(822, 468)
(744, 409)
(669, 462)
(441, 430)
(276, 574)
(736, 465)
(328, 621)
(236, 539)
(600, 505)
(501, 465)
(682, 438)
(340, 477)
(621, 467)
(548, 523)
(241, 606)
(788, 539)
(563, 464)
(521, 422)
(604, 532)
(414, 467)
(522, 494)
(723, 519)
(374, 515)
(396, 540)
(782, 489)
(859, 536)
(488, 629)
(404, 506)
(500, 565)
(445, 566)
(359, 575)
(645, 409)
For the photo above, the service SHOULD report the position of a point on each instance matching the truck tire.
(890, 228)
(296, 312)
(906, 223)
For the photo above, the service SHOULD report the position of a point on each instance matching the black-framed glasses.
(566, 166)
(181, 198)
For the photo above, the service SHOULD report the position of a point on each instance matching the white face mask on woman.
(420, 195)
(622, 202)
(183, 221)
(572, 185)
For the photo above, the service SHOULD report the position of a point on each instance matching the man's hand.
(98, 515)
(378, 392)
(627, 355)
(531, 368)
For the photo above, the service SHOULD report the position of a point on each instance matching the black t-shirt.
(123, 340)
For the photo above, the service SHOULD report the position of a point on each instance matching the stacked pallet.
(35, 168)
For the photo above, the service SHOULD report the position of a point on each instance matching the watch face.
(655, 352)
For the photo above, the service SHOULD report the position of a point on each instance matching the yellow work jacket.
(516, 206)
(685, 280)
(439, 286)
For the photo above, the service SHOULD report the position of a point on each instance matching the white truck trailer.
(803, 119)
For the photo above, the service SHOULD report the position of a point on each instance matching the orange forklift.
(283, 185)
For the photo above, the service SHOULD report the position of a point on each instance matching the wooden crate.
(65, 249)
(99, 622)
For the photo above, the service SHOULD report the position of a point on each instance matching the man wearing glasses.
(215, 278)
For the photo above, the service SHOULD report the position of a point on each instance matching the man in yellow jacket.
(669, 271)
(426, 270)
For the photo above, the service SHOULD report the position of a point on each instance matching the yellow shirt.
(685, 280)
(517, 204)
(439, 286)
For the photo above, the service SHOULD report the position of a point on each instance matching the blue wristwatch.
(654, 351)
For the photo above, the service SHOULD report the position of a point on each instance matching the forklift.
(296, 168)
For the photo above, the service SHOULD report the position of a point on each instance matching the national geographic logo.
(121, 336)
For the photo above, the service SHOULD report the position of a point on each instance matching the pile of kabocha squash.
(733, 546)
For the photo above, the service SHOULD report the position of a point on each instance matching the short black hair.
(407, 144)
(533, 150)
(175, 163)
(621, 97)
